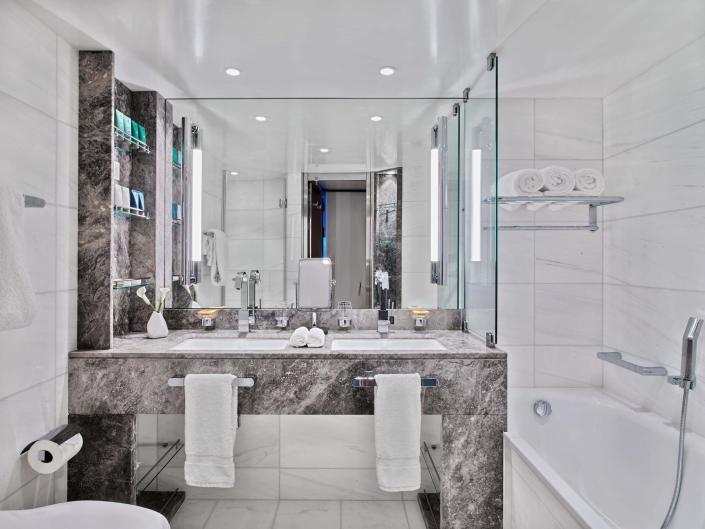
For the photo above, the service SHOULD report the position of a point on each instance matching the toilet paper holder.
(58, 435)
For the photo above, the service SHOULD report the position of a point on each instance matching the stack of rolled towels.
(302, 337)
(551, 180)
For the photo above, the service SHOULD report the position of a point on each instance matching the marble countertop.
(137, 345)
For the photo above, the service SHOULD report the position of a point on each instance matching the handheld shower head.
(690, 349)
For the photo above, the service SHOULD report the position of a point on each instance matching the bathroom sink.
(388, 344)
(231, 344)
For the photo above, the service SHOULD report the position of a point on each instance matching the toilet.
(84, 515)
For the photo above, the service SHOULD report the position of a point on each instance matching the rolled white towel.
(589, 182)
(316, 338)
(558, 180)
(520, 183)
(299, 337)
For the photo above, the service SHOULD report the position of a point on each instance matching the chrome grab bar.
(241, 382)
(369, 382)
(616, 359)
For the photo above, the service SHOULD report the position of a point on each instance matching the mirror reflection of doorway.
(337, 229)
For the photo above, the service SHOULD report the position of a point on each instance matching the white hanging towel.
(18, 307)
(211, 424)
(215, 250)
(398, 431)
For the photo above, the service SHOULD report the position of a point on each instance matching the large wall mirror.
(258, 185)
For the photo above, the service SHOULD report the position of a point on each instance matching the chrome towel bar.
(241, 382)
(430, 381)
(616, 359)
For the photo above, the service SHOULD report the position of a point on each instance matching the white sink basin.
(388, 344)
(231, 344)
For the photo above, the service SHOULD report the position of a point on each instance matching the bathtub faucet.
(689, 354)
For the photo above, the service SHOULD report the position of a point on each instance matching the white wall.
(550, 282)
(38, 156)
(655, 240)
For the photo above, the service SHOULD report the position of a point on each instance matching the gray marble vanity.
(108, 388)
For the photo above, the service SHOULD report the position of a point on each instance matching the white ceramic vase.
(156, 326)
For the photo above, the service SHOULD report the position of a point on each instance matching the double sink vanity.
(109, 388)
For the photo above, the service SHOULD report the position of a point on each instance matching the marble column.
(95, 148)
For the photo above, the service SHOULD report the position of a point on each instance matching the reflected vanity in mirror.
(262, 187)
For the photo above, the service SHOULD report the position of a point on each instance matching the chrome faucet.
(384, 320)
(689, 354)
(243, 314)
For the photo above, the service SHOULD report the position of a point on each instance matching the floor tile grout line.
(210, 514)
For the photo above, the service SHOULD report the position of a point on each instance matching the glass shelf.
(133, 144)
(121, 284)
(131, 212)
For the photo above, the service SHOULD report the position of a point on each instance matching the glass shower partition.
(480, 186)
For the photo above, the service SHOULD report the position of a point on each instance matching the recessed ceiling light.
(375, 118)
(324, 149)
(234, 173)
(387, 70)
(233, 72)
(260, 118)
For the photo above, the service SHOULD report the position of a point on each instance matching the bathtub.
(595, 463)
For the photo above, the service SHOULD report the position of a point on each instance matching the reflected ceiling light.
(324, 149)
(233, 72)
(234, 173)
(375, 118)
(261, 118)
(387, 70)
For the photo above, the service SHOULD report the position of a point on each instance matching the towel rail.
(430, 381)
(615, 358)
(241, 382)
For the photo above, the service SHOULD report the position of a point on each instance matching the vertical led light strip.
(196, 205)
(476, 211)
(434, 205)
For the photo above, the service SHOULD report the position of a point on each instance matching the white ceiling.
(334, 48)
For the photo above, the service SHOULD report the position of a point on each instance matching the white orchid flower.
(162, 297)
(142, 294)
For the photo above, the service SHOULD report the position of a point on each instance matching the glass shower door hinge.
(490, 340)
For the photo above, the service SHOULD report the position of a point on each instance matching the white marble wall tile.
(568, 314)
(657, 250)
(666, 98)
(516, 129)
(272, 192)
(520, 365)
(273, 254)
(245, 194)
(250, 484)
(245, 254)
(664, 175)
(66, 83)
(66, 241)
(271, 288)
(515, 303)
(40, 245)
(413, 515)
(66, 165)
(193, 514)
(29, 353)
(332, 484)
(415, 218)
(416, 289)
(29, 59)
(66, 318)
(37, 493)
(308, 515)
(374, 515)
(27, 149)
(516, 256)
(568, 366)
(250, 514)
(327, 441)
(416, 254)
(568, 129)
(244, 224)
(273, 221)
(568, 257)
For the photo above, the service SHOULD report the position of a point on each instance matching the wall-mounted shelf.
(119, 284)
(131, 212)
(129, 142)
(593, 202)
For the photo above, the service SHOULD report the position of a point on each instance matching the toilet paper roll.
(46, 457)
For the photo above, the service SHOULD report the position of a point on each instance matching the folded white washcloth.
(216, 252)
(398, 431)
(524, 182)
(589, 182)
(558, 180)
(316, 338)
(210, 427)
(18, 307)
(299, 337)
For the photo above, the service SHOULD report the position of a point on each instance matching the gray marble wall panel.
(283, 387)
(105, 468)
(95, 186)
(362, 319)
(471, 476)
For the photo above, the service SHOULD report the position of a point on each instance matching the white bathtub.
(595, 463)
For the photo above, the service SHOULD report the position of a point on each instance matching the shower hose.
(679, 470)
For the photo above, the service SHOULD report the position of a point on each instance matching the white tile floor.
(272, 514)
